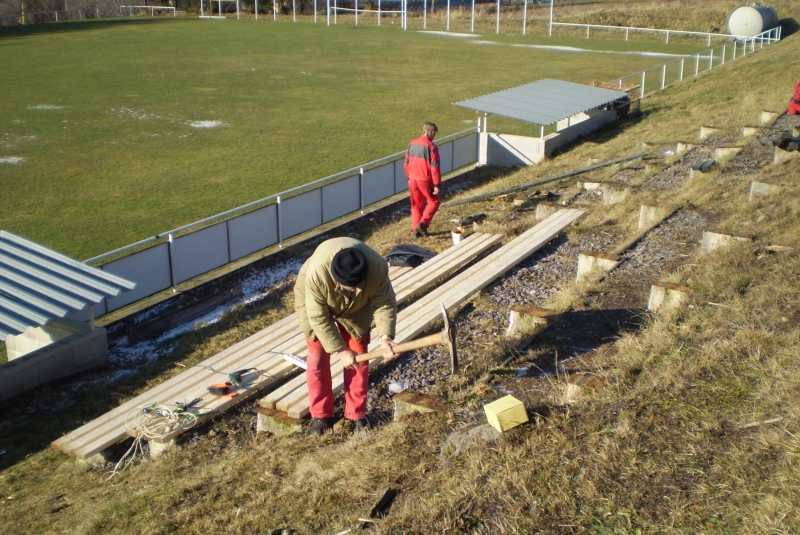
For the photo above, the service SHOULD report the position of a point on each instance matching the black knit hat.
(349, 267)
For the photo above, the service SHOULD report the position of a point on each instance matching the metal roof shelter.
(544, 102)
(38, 284)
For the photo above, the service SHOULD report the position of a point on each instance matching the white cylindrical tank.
(752, 19)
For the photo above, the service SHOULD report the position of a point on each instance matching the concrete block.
(408, 402)
(782, 155)
(505, 413)
(68, 356)
(652, 213)
(726, 152)
(615, 193)
(715, 238)
(523, 317)
(277, 422)
(748, 131)
(466, 437)
(591, 262)
(684, 147)
(576, 385)
(766, 118)
(760, 189)
(157, 449)
(707, 131)
(667, 295)
(589, 185)
(546, 209)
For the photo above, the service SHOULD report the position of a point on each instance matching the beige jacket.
(319, 299)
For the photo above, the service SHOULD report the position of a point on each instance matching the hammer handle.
(427, 341)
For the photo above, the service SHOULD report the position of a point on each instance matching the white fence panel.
(465, 151)
(340, 198)
(400, 178)
(252, 232)
(301, 213)
(446, 158)
(149, 269)
(378, 184)
(200, 251)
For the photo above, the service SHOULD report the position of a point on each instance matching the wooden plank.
(420, 316)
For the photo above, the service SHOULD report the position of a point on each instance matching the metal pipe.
(524, 16)
(497, 30)
(472, 22)
(448, 15)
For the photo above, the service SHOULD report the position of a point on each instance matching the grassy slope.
(660, 451)
(119, 161)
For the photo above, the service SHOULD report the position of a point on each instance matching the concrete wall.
(68, 356)
(505, 150)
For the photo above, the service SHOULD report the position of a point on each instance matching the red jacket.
(422, 161)
(794, 103)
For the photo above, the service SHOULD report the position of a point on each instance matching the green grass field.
(101, 112)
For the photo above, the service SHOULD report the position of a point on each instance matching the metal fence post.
(587, 31)
(472, 22)
(280, 227)
(641, 93)
(696, 64)
(711, 59)
(356, 12)
(448, 15)
(171, 251)
(497, 29)
(724, 46)
(361, 189)
(424, 14)
(524, 16)
(626, 34)
(680, 79)
(328, 14)
(666, 41)
(709, 40)
(663, 75)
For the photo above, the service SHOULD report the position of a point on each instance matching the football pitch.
(115, 130)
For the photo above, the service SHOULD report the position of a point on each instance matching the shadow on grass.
(788, 27)
(75, 26)
(576, 333)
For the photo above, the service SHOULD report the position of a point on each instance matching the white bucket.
(458, 234)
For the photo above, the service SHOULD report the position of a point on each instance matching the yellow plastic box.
(506, 413)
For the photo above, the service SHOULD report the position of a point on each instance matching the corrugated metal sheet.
(544, 102)
(38, 284)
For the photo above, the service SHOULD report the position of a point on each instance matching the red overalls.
(422, 170)
(794, 104)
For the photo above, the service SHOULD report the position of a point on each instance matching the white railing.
(170, 258)
(37, 17)
(152, 9)
(666, 33)
(675, 71)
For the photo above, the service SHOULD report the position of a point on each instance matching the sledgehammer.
(447, 337)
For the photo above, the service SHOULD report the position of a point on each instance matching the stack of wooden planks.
(259, 352)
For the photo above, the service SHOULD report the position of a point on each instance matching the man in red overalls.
(794, 104)
(424, 179)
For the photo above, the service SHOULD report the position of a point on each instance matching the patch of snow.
(207, 124)
(584, 50)
(450, 34)
(484, 43)
(12, 159)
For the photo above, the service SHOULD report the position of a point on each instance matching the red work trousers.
(318, 379)
(424, 203)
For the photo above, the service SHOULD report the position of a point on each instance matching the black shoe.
(319, 426)
(423, 229)
(360, 425)
(417, 234)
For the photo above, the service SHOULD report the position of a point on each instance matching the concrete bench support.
(715, 238)
(707, 131)
(726, 152)
(782, 155)
(157, 449)
(277, 422)
(615, 193)
(651, 213)
(589, 185)
(766, 118)
(667, 295)
(760, 189)
(408, 402)
(546, 209)
(591, 262)
(683, 147)
(748, 131)
(523, 317)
